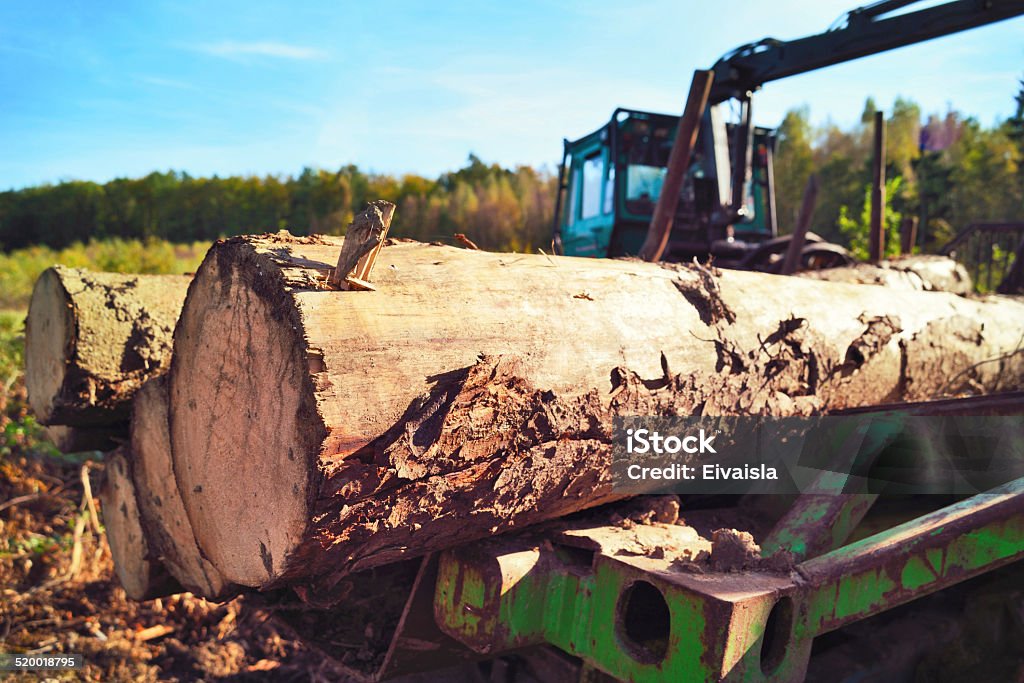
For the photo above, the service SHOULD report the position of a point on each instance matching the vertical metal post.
(990, 261)
(1013, 281)
(803, 222)
(924, 218)
(908, 235)
(771, 219)
(743, 153)
(876, 238)
(678, 162)
(556, 231)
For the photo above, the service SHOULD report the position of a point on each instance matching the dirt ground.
(60, 595)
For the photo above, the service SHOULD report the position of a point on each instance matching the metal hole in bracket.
(777, 632)
(644, 622)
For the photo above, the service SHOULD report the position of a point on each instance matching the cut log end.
(256, 424)
(49, 340)
(170, 531)
(92, 339)
(142, 577)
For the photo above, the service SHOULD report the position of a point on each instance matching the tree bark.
(923, 273)
(317, 432)
(142, 576)
(92, 339)
(168, 530)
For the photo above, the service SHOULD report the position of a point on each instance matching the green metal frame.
(502, 595)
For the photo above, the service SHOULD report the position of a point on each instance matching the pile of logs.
(923, 272)
(302, 430)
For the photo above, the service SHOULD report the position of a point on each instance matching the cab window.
(643, 186)
(570, 207)
(609, 190)
(590, 204)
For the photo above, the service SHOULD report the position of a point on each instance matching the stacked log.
(927, 273)
(92, 339)
(142, 576)
(97, 346)
(167, 527)
(317, 432)
(306, 433)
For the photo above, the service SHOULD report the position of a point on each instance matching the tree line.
(502, 209)
(948, 170)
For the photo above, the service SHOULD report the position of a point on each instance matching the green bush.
(11, 348)
(19, 269)
(857, 231)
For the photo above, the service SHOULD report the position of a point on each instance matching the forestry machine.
(610, 180)
(617, 593)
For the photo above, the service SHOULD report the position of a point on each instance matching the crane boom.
(866, 31)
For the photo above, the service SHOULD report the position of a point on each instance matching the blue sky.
(100, 90)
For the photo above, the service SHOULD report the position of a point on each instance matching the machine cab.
(610, 181)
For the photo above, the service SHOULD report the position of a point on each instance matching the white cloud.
(230, 49)
(166, 83)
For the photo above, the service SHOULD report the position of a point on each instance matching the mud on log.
(142, 576)
(168, 531)
(92, 339)
(316, 432)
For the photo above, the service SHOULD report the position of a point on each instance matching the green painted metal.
(916, 558)
(819, 522)
(745, 626)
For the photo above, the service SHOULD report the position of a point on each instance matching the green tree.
(856, 226)
(983, 179)
(793, 164)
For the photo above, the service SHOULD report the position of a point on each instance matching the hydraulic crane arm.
(863, 31)
(867, 30)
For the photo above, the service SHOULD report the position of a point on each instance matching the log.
(168, 530)
(316, 432)
(92, 339)
(923, 273)
(142, 576)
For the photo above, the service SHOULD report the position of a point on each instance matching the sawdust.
(285, 237)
